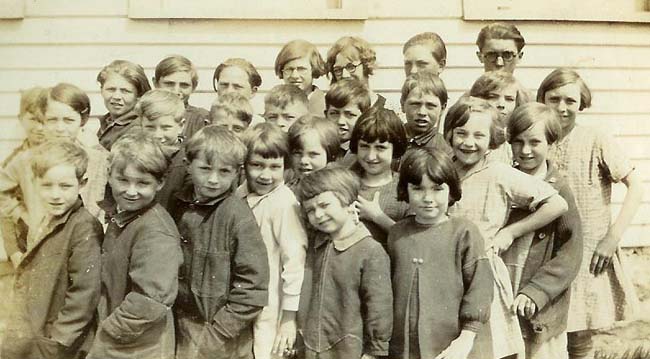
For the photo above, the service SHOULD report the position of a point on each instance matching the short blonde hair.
(158, 103)
(214, 141)
(142, 150)
(233, 104)
(133, 73)
(53, 153)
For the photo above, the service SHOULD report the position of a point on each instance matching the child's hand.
(603, 254)
(524, 306)
(367, 356)
(369, 210)
(460, 347)
(286, 336)
(502, 241)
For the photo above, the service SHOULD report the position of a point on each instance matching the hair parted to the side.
(383, 125)
(254, 78)
(326, 130)
(173, 64)
(133, 73)
(493, 81)
(459, 114)
(297, 49)
(435, 164)
(432, 41)
(561, 77)
(233, 104)
(215, 142)
(348, 91)
(266, 140)
(284, 95)
(525, 116)
(501, 31)
(367, 55)
(33, 101)
(425, 83)
(140, 149)
(342, 182)
(158, 103)
(72, 96)
(57, 152)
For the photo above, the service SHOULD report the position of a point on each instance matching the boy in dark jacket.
(224, 279)
(57, 281)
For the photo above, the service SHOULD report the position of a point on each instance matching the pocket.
(210, 273)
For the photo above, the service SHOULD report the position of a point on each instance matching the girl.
(299, 63)
(591, 162)
(378, 138)
(442, 283)
(122, 83)
(504, 93)
(313, 143)
(490, 189)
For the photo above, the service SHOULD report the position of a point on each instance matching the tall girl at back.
(490, 190)
(378, 138)
(591, 161)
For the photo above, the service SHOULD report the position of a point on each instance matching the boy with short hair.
(425, 51)
(57, 280)
(284, 104)
(232, 111)
(346, 299)
(224, 278)
(500, 47)
(140, 257)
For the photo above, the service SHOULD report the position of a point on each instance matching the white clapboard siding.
(70, 40)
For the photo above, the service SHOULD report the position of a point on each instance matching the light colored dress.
(591, 161)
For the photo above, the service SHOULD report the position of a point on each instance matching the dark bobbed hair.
(430, 162)
(561, 77)
(72, 96)
(380, 124)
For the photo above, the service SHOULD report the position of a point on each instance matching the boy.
(232, 111)
(424, 98)
(424, 52)
(500, 47)
(346, 299)
(284, 104)
(239, 76)
(224, 278)
(140, 257)
(345, 101)
(161, 115)
(177, 74)
(57, 281)
(278, 214)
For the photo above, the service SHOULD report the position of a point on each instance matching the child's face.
(530, 148)
(420, 58)
(310, 156)
(345, 117)
(179, 83)
(470, 142)
(58, 189)
(232, 123)
(566, 100)
(428, 200)
(132, 188)
(211, 179)
(499, 54)
(164, 129)
(33, 127)
(61, 121)
(285, 116)
(235, 80)
(264, 174)
(422, 112)
(119, 95)
(326, 213)
(347, 64)
(298, 72)
(504, 101)
(375, 157)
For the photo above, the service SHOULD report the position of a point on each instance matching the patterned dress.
(591, 162)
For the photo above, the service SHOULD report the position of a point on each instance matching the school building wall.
(71, 40)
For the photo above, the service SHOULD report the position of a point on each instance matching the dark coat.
(111, 129)
(56, 291)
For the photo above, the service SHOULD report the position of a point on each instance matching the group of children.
(335, 225)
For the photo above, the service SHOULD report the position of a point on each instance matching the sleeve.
(377, 302)
(523, 190)
(10, 204)
(556, 275)
(292, 239)
(97, 176)
(155, 259)
(84, 283)
(249, 278)
(477, 280)
(613, 160)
